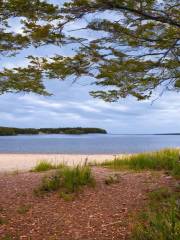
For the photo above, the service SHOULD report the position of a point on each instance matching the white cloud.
(11, 117)
(37, 101)
(99, 104)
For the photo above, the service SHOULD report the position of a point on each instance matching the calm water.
(86, 144)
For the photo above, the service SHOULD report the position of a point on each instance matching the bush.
(50, 184)
(68, 179)
(73, 178)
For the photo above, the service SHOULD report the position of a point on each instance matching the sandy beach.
(24, 162)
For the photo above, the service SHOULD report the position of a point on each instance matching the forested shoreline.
(8, 131)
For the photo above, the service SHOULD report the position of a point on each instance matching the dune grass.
(45, 165)
(161, 219)
(67, 180)
(166, 159)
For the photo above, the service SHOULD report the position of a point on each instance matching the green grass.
(44, 165)
(161, 219)
(67, 180)
(23, 209)
(67, 196)
(166, 159)
(112, 179)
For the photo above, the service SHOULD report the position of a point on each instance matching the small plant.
(23, 209)
(112, 179)
(69, 179)
(161, 220)
(160, 194)
(43, 166)
(67, 196)
(50, 183)
(74, 178)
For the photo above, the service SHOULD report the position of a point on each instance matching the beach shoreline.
(26, 161)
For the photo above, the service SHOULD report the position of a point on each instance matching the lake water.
(86, 144)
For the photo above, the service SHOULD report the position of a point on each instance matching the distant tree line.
(8, 131)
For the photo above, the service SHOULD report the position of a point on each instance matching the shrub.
(73, 178)
(69, 179)
(50, 184)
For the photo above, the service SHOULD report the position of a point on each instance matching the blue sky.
(71, 105)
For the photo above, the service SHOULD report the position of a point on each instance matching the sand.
(25, 162)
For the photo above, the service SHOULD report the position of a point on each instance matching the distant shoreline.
(11, 131)
(107, 133)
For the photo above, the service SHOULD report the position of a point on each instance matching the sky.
(72, 106)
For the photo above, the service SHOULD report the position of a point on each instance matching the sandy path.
(101, 213)
(12, 162)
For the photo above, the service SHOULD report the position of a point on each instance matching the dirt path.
(101, 213)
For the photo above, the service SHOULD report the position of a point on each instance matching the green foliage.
(31, 12)
(112, 179)
(6, 131)
(161, 220)
(137, 49)
(50, 184)
(37, 21)
(67, 179)
(43, 166)
(167, 159)
(67, 196)
(23, 209)
(76, 177)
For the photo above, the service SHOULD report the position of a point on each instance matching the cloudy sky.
(71, 105)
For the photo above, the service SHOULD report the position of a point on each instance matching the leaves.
(136, 49)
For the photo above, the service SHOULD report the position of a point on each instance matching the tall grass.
(73, 178)
(161, 220)
(44, 165)
(67, 179)
(166, 159)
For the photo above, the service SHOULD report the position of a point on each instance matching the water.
(86, 144)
